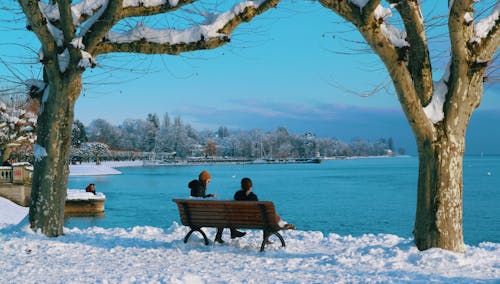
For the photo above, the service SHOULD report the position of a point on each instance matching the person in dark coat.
(246, 194)
(199, 186)
(198, 189)
(90, 188)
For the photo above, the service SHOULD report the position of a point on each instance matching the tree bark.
(438, 221)
(51, 171)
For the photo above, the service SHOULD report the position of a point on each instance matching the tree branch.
(38, 24)
(192, 41)
(369, 9)
(66, 19)
(490, 44)
(98, 30)
(346, 9)
(419, 63)
(460, 34)
(154, 10)
(375, 33)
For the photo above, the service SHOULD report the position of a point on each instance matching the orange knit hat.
(204, 175)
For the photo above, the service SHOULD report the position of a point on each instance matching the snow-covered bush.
(95, 150)
(17, 127)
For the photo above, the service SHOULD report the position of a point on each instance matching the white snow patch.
(395, 35)
(382, 12)
(50, 11)
(78, 194)
(57, 34)
(39, 84)
(172, 36)
(173, 3)
(40, 54)
(105, 168)
(483, 27)
(87, 60)
(92, 170)
(77, 43)
(98, 4)
(45, 97)
(11, 213)
(468, 17)
(159, 255)
(63, 60)
(39, 152)
(434, 110)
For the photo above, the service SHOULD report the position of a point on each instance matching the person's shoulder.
(194, 183)
(239, 195)
(253, 196)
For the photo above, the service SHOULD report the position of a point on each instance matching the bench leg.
(266, 238)
(186, 238)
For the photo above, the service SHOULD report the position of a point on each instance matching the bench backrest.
(215, 213)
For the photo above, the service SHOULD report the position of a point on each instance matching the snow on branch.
(87, 60)
(79, 11)
(94, 17)
(39, 152)
(149, 3)
(434, 110)
(396, 36)
(484, 26)
(172, 36)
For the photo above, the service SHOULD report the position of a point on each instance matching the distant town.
(167, 139)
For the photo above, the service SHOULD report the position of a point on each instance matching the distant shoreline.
(110, 167)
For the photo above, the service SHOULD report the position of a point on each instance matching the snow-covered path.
(156, 255)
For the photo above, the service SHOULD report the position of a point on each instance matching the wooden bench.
(197, 214)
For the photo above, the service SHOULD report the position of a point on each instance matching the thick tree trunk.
(50, 177)
(438, 221)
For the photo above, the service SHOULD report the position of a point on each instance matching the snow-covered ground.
(79, 194)
(105, 168)
(158, 255)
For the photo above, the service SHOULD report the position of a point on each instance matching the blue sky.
(283, 69)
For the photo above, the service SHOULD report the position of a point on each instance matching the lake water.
(347, 197)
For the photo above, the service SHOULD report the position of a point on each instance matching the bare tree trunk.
(50, 177)
(438, 221)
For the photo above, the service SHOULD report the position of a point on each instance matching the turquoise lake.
(346, 197)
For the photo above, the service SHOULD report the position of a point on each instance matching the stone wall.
(17, 193)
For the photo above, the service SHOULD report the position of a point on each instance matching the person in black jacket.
(246, 194)
(199, 186)
(198, 189)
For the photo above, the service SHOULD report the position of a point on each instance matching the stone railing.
(18, 173)
(5, 174)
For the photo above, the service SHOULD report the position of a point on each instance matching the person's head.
(91, 185)
(204, 177)
(246, 184)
